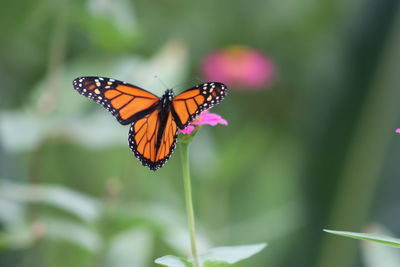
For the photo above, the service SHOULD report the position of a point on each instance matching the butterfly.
(154, 120)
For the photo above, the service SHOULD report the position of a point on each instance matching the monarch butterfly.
(154, 120)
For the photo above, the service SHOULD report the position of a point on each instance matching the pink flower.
(204, 118)
(239, 66)
(398, 130)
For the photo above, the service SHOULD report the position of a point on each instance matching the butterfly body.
(154, 120)
(165, 107)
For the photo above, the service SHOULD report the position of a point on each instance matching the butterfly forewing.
(125, 101)
(188, 104)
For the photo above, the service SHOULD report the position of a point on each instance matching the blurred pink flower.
(204, 118)
(239, 66)
(398, 130)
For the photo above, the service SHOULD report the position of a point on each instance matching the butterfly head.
(166, 99)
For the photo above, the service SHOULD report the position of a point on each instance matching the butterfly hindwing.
(190, 103)
(125, 101)
(152, 141)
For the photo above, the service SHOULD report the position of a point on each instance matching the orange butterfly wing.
(126, 102)
(153, 141)
(190, 103)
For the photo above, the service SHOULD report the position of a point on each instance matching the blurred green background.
(315, 150)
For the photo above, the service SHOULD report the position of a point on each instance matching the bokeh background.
(312, 146)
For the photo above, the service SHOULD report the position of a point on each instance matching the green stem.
(189, 202)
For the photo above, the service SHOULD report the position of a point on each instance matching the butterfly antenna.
(161, 81)
(189, 81)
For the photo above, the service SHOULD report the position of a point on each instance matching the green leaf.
(230, 255)
(374, 254)
(172, 261)
(216, 264)
(215, 257)
(386, 240)
(19, 237)
(72, 232)
(131, 247)
(79, 204)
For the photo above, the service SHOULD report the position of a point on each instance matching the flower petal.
(204, 118)
(240, 67)
(210, 119)
(188, 130)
